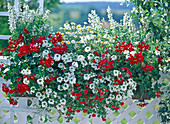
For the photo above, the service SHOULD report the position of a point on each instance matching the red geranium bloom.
(12, 101)
(103, 119)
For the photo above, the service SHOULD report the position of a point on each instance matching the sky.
(70, 1)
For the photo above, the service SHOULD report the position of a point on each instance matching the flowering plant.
(82, 68)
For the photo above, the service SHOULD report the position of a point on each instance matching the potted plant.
(81, 68)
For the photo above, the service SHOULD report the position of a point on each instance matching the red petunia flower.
(78, 110)
(93, 115)
(26, 31)
(84, 111)
(85, 91)
(116, 108)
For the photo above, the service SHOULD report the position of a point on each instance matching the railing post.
(41, 6)
(11, 117)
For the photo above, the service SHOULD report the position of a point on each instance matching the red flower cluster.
(60, 49)
(12, 101)
(21, 88)
(5, 88)
(158, 94)
(142, 105)
(50, 79)
(122, 47)
(47, 62)
(1, 52)
(157, 48)
(137, 59)
(54, 39)
(118, 81)
(128, 70)
(143, 45)
(159, 60)
(26, 49)
(103, 63)
(38, 40)
(1, 66)
(148, 68)
(26, 31)
(13, 45)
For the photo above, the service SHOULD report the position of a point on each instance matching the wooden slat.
(4, 37)
(4, 13)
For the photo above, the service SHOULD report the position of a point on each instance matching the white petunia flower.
(32, 89)
(72, 80)
(157, 52)
(71, 69)
(22, 72)
(59, 106)
(113, 57)
(80, 58)
(27, 72)
(54, 94)
(87, 49)
(57, 57)
(44, 104)
(130, 93)
(65, 86)
(60, 65)
(48, 91)
(118, 97)
(36, 55)
(115, 72)
(63, 101)
(60, 88)
(25, 81)
(38, 94)
(86, 76)
(45, 53)
(64, 57)
(90, 56)
(124, 87)
(66, 79)
(111, 89)
(126, 52)
(40, 81)
(51, 101)
(84, 63)
(75, 64)
(59, 79)
(45, 43)
(133, 53)
(92, 86)
(50, 69)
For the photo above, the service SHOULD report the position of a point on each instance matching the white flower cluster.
(27, 17)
